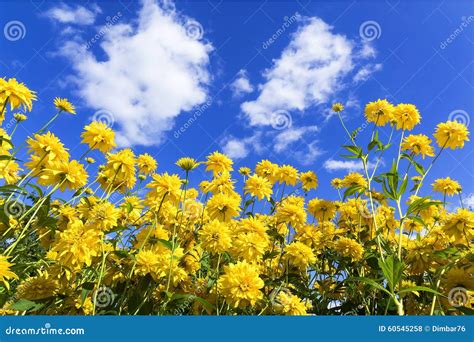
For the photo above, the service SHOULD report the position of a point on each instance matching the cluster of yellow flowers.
(150, 243)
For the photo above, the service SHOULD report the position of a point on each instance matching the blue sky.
(253, 79)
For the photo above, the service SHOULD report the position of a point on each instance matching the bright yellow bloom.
(46, 148)
(336, 183)
(245, 171)
(349, 248)
(299, 255)
(321, 209)
(146, 164)
(259, 187)
(352, 179)
(5, 272)
(337, 107)
(287, 174)
(267, 169)
(215, 237)
(187, 164)
(99, 136)
(223, 206)
(250, 246)
(63, 105)
(309, 180)
(418, 144)
(290, 213)
(451, 134)
(164, 186)
(9, 171)
(379, 112)
(20, 117)
(70, 175)
(289, 304)
(17, 94)
(460, 226)
(103, 216)
(218, 162)
(447, 186)
(76, 246)
(406, 116)
(119, 171)
(240, 285)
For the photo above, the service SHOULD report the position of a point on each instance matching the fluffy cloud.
(364, 73)
(283, 140)
(152, 71)
(310, 70)
(240, 148)
(78, 15)
(241, 85)
(469, 201)
(332, 165)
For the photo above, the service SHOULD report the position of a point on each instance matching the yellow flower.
(418, 144)
(119, 171)
(447, 186)
(379, 112)
(215, 237)
(352, 179)
(460, 225)
(451, 134)
(90, 160)
(45, 148)
(39, 287)
(103, 216)
(289, 304)
(99, 136)
(336, 183)
(321, 209)
(218, 162)
(20, 117)
(76, 246)
(290, 213)
(5, 272)
(309, 180)
(249, 246)
(287, 174)
(267, 169)
(259, 187)
(146, 164)
(299, 255)
(187, 164)
(337, 107)
(240, 285)
(9, 171)
(245, 171)
(164, 186)
(223, 206)
(406, 116)
(349, 248)
(16, 94)
(63, 105)
(70, 175)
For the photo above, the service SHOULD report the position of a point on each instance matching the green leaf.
(370, 282)
(356, 150)
(26, 305)
(166, 243)
(392, 269)
(420, 288)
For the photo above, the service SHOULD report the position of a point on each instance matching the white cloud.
(287, 137)
(78, 15)
(241, 85)
(307, 156)
(240, 148)
(364, 73)
(153, 70)
(310, 70)
(332, 165)
(468, 201)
